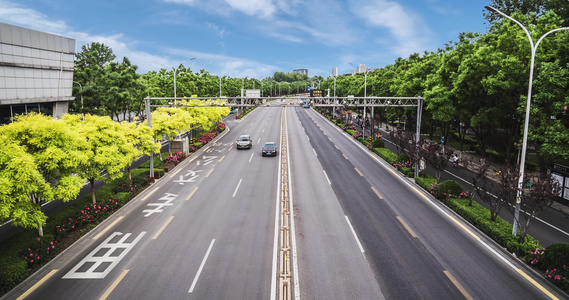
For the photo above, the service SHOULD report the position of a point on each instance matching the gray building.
(36, 72)
(301, 71)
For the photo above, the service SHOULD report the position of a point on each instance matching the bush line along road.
(207, 230)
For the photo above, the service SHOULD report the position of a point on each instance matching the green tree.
(57, 151)
(20, 183)
(109, 149)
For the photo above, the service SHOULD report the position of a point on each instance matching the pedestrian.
(454, 160)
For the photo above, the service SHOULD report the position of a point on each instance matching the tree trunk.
(40, 230)
(92, 181)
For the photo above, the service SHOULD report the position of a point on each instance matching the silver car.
(244, 142)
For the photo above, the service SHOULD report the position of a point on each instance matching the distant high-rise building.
(335, 71)
(301, 71)
(36, 72)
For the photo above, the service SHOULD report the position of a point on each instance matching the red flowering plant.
(91, 214)
(357, 134)
(175, 158)
(193, 148)
(129, 187)
(41, 251)
(237, 117)
(349, 127)
(221, 127)
(205, 138)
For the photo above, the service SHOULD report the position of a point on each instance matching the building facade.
(301, 71)
(36, 72)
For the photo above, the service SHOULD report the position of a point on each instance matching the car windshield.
(243, 138)
(270, 146)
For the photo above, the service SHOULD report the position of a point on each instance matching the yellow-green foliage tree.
(57, 152)
(19, 180)
(170, 122)
(110, 150)
(140, 136)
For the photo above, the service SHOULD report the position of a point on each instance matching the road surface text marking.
(167, 200)
(192, 177)
(98, 263)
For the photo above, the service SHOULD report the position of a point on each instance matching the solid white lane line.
(201, 267)
(355, 236)
(237, 188)
(326, 175)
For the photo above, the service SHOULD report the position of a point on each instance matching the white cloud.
(404, 25)
(14, 14)
(261, 8)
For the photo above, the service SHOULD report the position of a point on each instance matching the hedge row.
(499, 230)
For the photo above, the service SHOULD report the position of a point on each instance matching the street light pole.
(526, 124)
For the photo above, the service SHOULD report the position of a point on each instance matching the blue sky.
(254, 38)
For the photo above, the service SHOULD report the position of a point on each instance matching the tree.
(109, 149)
(20, 183)
(140, 136)
(538, 195)
(57, 151)
(90, 65)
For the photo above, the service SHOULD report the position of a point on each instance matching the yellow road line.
(230, 148)
(464, 228)
(377, 193)
(221, 159)
(176, 173)
(143, 199)
(114, 285)
(539, 286)
(35, 286)
(407, 227)
(108, 227)
(163, 227)
(192, 193)
(345, 156)
(359, 172)
(209, 172)
(458, 285)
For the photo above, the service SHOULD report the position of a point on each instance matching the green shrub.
(425, 181)
(198, 145)
(378, 143)
(555, 256)
(403, 157)
(447, 188)
(386, 154)
(350, 131)
(12, 272)
(500, 230)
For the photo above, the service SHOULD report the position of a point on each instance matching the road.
(207, 230)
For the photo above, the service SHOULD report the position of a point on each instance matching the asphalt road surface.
(207, 230)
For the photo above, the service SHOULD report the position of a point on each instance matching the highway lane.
(206, 230)
(454, 258)
(330, 262)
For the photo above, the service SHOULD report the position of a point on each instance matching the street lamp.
(176, 71)
(82, 114)
(526, 125)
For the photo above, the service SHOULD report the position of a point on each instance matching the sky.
(254, 38)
